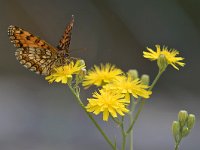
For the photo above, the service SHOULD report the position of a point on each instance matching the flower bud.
(145, 79)
(82, 62)
(191, 121)
(182, 117)
(82, 73)
(133, 73)
(80, 76)
(185, 131)
(175, 130)
(162, 62)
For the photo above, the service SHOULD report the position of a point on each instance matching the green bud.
(162, 62)
(145, 79)
(80, 76)
(133, 73)
(191, 121)
(185, 131)
(82, 62)
(176, 130)
(182, 117)
(82, 73)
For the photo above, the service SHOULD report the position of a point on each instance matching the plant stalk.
(123, 135)
(143, 102)
(133, 104)
(91, 118)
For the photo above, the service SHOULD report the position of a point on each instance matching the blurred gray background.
(35, 115)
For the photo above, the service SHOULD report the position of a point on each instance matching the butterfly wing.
(32, 52)
(66, 38)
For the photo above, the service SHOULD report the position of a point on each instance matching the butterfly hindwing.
(32, 52)
(38, 60)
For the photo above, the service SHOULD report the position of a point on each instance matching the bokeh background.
(35, 115)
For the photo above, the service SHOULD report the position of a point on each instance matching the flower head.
(170, 56)
(101, 75)
(107, 102)
(128, 85)
(64, 74)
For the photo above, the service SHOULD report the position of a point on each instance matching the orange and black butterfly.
(36, 54)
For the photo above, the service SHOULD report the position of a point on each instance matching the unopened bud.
(80, 76)
(175, 129)
(162, 62)
(182, 117)
(82, 72)
(185, 131)
(145, 79)
(133, 73)
(191, 121)
(82, 62)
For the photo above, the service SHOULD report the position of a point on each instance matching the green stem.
(177, 144)
(91, 118)
(116, 120)
(143, 102)
(133, 103)
(136, 117)
(155, 80)
(123, 135)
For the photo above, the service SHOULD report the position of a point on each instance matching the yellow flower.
(127, 85)
(101, 75)
(64, 74)
(170, 56)
(107, 102)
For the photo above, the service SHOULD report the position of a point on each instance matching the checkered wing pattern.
(36, 54)
(66, 38)
(32, 52)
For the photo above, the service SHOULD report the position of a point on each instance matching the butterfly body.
(36, 54)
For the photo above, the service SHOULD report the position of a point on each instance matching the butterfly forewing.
(66, 38)
(36, 54)
(21, 38)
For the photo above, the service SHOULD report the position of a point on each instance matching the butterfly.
(36, 54)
